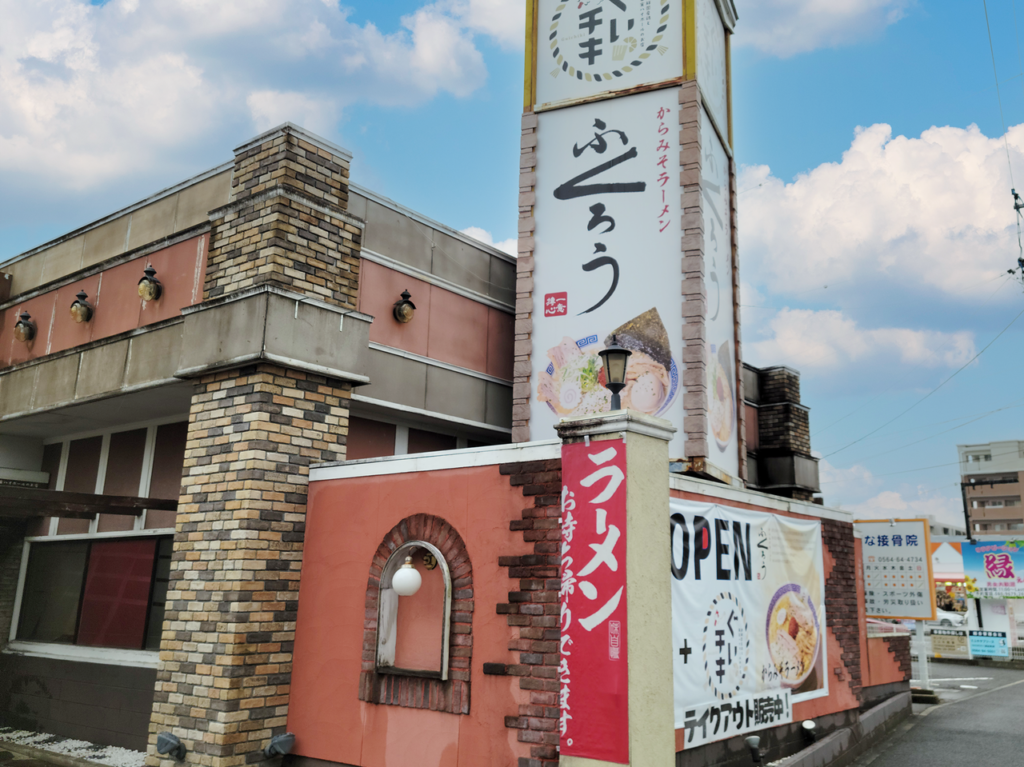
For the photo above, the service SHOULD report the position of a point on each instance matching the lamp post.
(614, 359)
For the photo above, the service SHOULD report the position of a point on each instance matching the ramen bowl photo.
(793, 634)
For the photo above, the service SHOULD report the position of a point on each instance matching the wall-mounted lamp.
(81, 309)
(24, 328)
(614, 359)
(754, 744)
(810, 729)
(407, 580)
(404, 309)
(280, 745)
(150, 288)
(171, 745)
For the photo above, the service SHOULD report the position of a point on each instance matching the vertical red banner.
(593, 668)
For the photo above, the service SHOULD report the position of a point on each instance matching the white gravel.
(111, 755)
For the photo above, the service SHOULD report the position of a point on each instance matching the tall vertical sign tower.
(627, 221)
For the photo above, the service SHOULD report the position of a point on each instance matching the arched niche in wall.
(412, 633)
(417, 650)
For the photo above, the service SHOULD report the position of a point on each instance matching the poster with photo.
(748, 619)
(608, 260)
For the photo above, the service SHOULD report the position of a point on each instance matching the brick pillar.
(695, 305)
(288, 224)
(229, 630)
(226, 653)
(523, 367)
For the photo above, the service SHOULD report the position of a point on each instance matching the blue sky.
(876, 221)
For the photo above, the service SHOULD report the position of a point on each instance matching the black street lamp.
(615, 358)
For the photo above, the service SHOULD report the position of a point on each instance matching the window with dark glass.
(101, 593)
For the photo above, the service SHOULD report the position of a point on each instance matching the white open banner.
(608, 259)
(748, 619)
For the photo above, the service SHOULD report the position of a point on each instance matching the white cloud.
(90, 93)
(787, 27)
(504, 20)
(840, 485)
(271, 108)
(509, 246)
(914, 502)
(819, 341)
(909, 215)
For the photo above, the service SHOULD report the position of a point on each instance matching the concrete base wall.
(108, 705)
(842, 737)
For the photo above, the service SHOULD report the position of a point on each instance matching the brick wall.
(899, 646)
(228, 635)
(533, 609)
(695, 304)
(12, 538)
(779, 385)
(452, 695)
(287, 225)
(784, 426)
(522, 369)
(841, 600)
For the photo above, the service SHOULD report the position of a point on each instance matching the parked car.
(948, 618)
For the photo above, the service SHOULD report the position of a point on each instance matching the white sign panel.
(586, 48)
(897, 569)
(748, 619)
(712, 75)
(608, 260)
(723, 423)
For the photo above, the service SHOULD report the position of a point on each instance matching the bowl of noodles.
(793, 633)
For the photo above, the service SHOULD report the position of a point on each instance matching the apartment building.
(990, 476)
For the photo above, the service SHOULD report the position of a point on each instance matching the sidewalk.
(977, 722)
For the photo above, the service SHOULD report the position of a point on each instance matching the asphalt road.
(978, 722)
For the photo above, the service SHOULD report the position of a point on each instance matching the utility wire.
(937, 434)
(929, 394)
(999, 98)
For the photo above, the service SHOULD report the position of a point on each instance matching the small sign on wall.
(950, 643)
(991, 644)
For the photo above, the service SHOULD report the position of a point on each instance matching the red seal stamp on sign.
(556, 304)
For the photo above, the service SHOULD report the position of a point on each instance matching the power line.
(938, 434)
(929, 394)
(999, 98)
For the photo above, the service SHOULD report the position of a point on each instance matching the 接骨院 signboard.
(994, 569)
(748, 619)
(607, 260)
(593, 664)
(897, 561)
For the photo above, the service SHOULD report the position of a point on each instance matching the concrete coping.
(241, 295)
(765, 500)
(309, 137)
(123, 212)
(617, 421)
(491, 455)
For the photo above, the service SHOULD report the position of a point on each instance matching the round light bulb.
(407, 580)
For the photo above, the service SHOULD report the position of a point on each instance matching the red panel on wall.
(593, 671)
(116, 595)
(369, 439)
